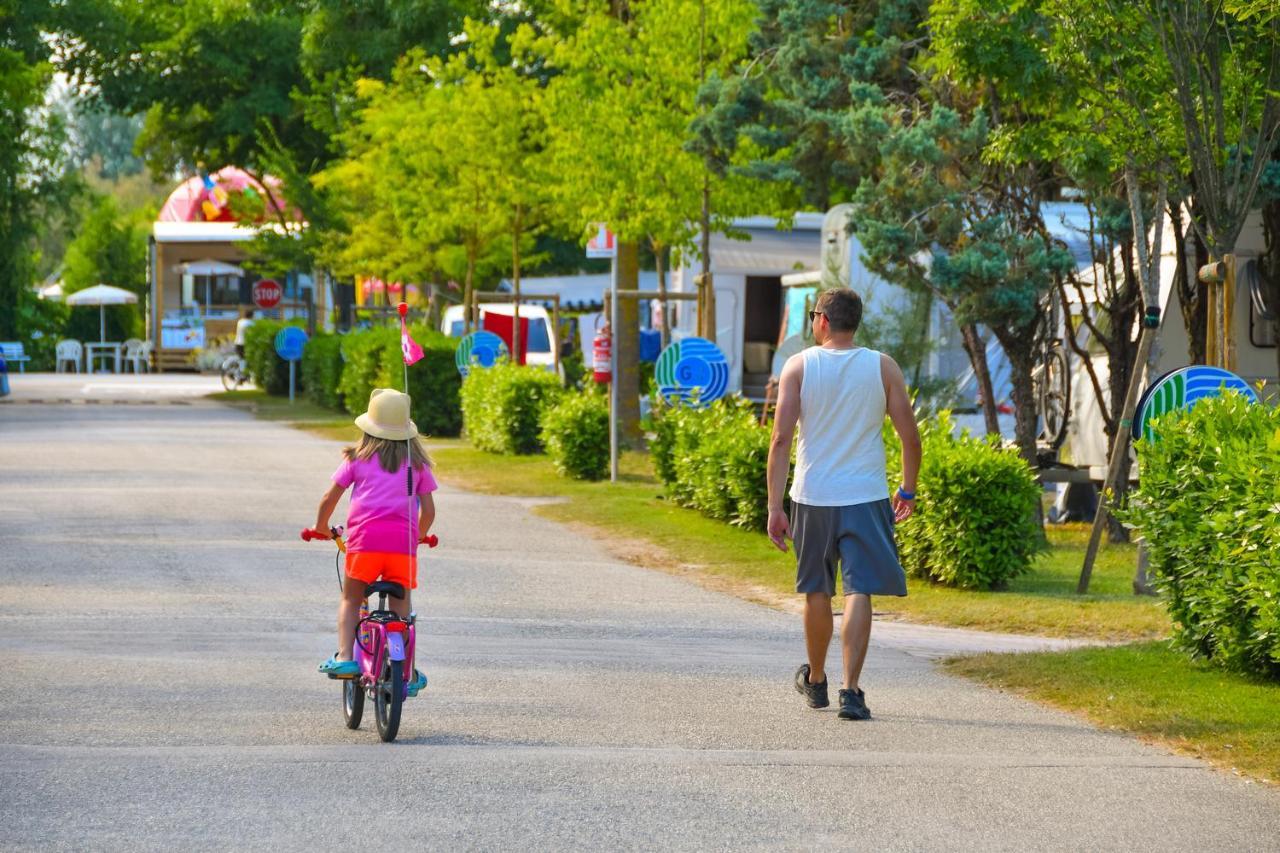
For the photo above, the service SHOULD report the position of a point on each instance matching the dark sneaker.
(853, 705)
(814, 694)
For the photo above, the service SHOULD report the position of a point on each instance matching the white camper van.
(540, 350)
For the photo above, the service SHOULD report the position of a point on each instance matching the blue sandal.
(333, 666)
(419, 682)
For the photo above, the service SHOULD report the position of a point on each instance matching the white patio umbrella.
(102, 295)
(210, 267)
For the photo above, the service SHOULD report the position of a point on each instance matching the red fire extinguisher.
(602, 355)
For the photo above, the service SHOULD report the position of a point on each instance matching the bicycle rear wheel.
(352, 702)
(388, 698)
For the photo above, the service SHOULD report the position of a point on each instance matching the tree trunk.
(626, 346)
(664, 313)
(977, 353)
(1269, 269)
(1122, 352)
(468, 298)
(1192, 293)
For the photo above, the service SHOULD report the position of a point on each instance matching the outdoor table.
(101, 350)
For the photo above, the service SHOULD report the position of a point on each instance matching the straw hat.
(388, 416)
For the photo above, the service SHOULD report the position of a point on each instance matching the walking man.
(839, 393)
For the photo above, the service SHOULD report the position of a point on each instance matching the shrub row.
(975, 525)
(502, 407)
(339, 371)
(575, 432)
(1207, 506)
(714, 460)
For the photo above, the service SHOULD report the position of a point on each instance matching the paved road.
(160, 624)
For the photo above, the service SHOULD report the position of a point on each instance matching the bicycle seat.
(394, 590)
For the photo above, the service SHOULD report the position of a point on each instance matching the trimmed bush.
(365, 366)
(714, 460)
(502, 406)
(434, 382)
(322, 370)
(975, 525)
(270, 372)
(1207, 506)
(575, 432)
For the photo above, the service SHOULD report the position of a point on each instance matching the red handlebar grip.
(430, 540)
(309, 533)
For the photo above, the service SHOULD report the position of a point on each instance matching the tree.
(109, 248)
(622, 96)
(36, 176)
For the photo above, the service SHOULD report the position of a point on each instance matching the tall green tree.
(36, 176)
(622, 96)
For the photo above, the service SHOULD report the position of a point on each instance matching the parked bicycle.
(235, 372)
(383, 648)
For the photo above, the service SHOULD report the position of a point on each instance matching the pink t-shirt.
(381, 514)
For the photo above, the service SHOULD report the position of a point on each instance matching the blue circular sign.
(692, 369)
(1182, 389)
(289, 343)
(479, 349)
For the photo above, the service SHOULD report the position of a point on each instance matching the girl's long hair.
(391, 454)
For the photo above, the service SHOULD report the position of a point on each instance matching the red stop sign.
(267, 293)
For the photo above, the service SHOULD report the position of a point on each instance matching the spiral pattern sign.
(692, 370)
(479, 349)
(1182, 389)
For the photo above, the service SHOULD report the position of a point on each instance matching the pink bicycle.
(383, 648)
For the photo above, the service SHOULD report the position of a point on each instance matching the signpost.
(289, 343)
(267, 293)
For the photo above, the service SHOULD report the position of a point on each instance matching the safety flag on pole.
(408, 346)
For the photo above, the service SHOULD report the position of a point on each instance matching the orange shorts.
(369, 566)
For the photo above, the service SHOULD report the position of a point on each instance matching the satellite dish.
(479, 349)
(791, 346)
(1182, 389)
(692, 369)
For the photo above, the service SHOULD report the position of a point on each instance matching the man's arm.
(785, 418)
(898, 406)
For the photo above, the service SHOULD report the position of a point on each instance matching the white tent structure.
(102, 295)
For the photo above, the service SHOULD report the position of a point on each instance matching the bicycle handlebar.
(310, 533)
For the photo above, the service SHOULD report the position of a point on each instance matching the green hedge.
(1207, 507)
(714, 460)
(975, 525)
(365, 366)
(322, 370)
(502, 406)
(434, 382)
(270, 372)
(575, 432)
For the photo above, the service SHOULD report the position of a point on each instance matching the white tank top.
(840, 457)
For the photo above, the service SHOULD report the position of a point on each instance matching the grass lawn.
(633, 518)
(1152, 691)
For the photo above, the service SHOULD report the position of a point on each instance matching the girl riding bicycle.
(391, 508)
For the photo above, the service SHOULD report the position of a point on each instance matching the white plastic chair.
(136, 355)
(68, 350)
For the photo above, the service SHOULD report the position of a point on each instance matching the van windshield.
(539, 341)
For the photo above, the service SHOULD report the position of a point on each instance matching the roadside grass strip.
(637, 523)
(1153, 691)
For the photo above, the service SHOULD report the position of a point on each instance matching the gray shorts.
(860, 537)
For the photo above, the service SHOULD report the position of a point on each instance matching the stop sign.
(267, 293)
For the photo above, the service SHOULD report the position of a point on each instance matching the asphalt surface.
(160, 624)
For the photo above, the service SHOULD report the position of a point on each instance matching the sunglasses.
(813, 314)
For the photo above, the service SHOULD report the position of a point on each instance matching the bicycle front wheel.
(388, 699)
(231, 378)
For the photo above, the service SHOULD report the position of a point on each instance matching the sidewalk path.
(160, 624)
